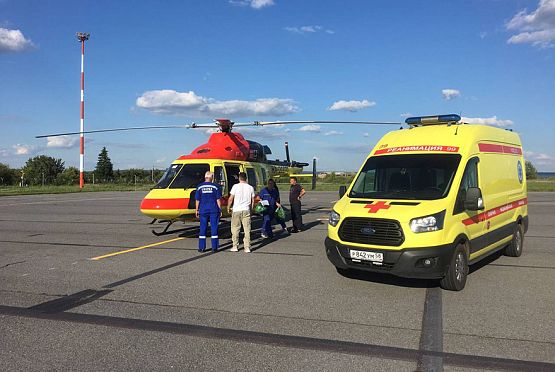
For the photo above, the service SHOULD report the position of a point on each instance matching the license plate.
(367, 256)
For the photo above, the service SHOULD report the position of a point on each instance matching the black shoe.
(294, 231)
(214, 250)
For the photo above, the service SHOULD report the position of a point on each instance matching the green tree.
(531, 172)
(70, 176)
(104, 169)
(7, 175)
(42, 169)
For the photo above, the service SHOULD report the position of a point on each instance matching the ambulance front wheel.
(514, 249)
(455, 277)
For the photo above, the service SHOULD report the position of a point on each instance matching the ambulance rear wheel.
(514, 249)
(455, 278)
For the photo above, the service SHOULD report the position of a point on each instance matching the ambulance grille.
(376, 231)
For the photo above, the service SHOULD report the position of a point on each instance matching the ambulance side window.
(470, 179)
(264, 176)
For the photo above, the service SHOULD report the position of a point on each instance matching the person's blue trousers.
(214, 221)
(267, 224)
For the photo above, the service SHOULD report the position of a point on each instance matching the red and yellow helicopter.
(226, 154)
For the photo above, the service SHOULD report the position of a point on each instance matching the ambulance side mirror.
(473, 200)
(342, 191)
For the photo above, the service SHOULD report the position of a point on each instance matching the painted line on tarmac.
(60, 201)
(135, 249)
(280, 340)
(431, 338)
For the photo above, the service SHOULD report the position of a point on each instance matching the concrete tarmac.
(283, 307)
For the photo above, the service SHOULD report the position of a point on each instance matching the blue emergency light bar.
(437, 119)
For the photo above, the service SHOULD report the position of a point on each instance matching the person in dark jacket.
(271, 195)
(295, 194)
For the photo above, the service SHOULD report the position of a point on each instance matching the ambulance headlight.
(432, 222)
(334, 218)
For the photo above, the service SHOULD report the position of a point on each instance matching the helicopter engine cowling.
(222, 145)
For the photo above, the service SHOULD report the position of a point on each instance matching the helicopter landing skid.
(165, 229)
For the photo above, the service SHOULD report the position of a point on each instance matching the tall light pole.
(82, 37)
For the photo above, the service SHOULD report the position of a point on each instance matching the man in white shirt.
(242, 200)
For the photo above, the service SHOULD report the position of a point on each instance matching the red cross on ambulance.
(375, 207)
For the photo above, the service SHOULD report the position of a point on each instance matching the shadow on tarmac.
(388, 279)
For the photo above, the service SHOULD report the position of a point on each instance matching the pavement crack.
(13, 263)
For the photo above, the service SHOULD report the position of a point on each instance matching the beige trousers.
(238, 219)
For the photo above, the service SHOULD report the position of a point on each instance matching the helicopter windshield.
(168, 176)
(190, 176)
(425, 177)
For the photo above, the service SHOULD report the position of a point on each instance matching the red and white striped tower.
(82, 37)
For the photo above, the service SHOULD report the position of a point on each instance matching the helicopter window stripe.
(414, 148)
(500, 149)
(161, 204)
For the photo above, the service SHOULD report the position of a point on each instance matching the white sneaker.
(247, 250)
(234, 249)
(264, 236)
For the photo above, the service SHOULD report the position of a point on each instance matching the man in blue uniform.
(208, 206)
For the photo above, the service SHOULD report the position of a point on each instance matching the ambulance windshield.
(415, 176)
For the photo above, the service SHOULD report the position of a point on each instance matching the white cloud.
(21, 149)
(255, 4)
(536, 28)
(308, 30)
(333, 133)
(310, 128)
(170, 102)
(366, 134)
(449, 94)
(351, 105)
(13, 41)
(64, 142)
(4, 153)
(406, 115)
(539, 158)
(493, 121)
(263, 133)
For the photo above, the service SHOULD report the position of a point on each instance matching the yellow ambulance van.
(431, 200)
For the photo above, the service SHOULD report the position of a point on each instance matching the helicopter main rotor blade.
(262, 123)
(186, 126)
(216, 124)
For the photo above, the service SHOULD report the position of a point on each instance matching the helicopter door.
(251, 177)
(232, 171)
(219, 178)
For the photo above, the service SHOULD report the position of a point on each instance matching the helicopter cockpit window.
(190, 176)
(168, 176)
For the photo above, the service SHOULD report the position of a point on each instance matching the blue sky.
(174, 62)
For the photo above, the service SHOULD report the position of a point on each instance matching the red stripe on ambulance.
(415, 148)
(481, 217)
(500, 149)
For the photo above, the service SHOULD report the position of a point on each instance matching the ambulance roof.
(444, 138)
